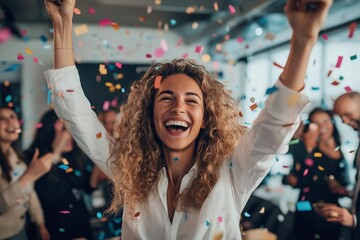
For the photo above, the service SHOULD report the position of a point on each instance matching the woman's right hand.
(60, 10)
(37, 167)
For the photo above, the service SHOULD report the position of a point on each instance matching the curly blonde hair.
(137, 155)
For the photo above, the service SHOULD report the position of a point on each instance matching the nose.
(178, 106)
(345, 119)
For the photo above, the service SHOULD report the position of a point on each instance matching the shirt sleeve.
(13, 195)
(268, 137)
(71, 105)
(35, 209)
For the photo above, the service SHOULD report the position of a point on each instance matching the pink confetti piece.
(106, 105)
(325, 36)
(185, 55)
(159, 52)
(91, 10)
(148, 55)
(38, 125)
(306, 172)
(179, 42)
(120, 47)
(114, 102)
(352, 28)
(216, 64)
(65, 212)
(220, 219)
(5, 34)
(118, 65)
(69, 90)
(309, 162)
(164, 45)
(105, 22)
(305, 190)
(232, 9)
(348, 89)
(20, 57)
(339, 61)
(199, 49)
(23, 32)
(240, 40)
(36, 60)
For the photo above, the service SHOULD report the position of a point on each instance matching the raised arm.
(68, 98)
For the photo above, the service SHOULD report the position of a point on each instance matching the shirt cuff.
(355, 221)
(62, 78)
(285, 98)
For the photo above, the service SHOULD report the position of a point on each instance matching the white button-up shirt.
(239, 175)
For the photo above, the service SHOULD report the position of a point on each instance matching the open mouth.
(176, 126)
(12, 130)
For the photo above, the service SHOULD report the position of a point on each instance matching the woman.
(180, 165)
(320, 171)
(61, 190)
(16, 182)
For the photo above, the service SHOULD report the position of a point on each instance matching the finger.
(332, 219)
(36, 154)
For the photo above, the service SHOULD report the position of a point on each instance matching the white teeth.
(176, 123)
(14, 130)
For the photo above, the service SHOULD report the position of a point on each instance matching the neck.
(178, 163)
(5, 147)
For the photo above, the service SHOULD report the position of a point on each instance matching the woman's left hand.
(334, 213)
(307, 17)
(43, 232)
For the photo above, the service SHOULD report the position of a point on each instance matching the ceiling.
(215, 23)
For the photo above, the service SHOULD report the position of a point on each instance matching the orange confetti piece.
(157, 82)
(28, 51)
(329, 73)
(335, 83)
(253, 107)
(352, 28)
(81, 29)
(115, 26)
(69, 170)
(137, 214)
(278, 65)
(321, 168)
(98, 135)
(77, 11)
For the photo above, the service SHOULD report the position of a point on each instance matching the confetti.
(98, 135)
(219, 219)
(335, 83)
(69, 170)
(278, 65)
(207, 223)
(321, 168)
(28, 51)
(65, 212)
(339, 61)
(36, 60)
(176, 159)
(329, 73)
(253, 107)
(5, 34)
(294, 141)
(38, 125)
(61, 230)
(69, 90)
(315, 88)
(148, 55)
(325, 36)
(65, 161)
(105, 22)
(271, 90)
(262, 210)
(352, 28)
(81, 29)
(20, 57)
(240, 40)
(246, 214)
(269, 36)
(281, 218)
(318, 154)
(354, 57)
(341, 78)
(232, 9)
(159, 52)
(303, 206)
(306, 171)
(137, 214)
(348, 89)
(91, 10)
(77, 11)
(64, 167)
(309, 162)
(99, 215)
(157, 82)
(12, 68)
(199, 49)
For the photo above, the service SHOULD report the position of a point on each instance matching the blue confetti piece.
(26, 39)
(173, 22)
(246, 214)
(243, 97)
(111, 67)
(176, 159)
(48, 97)
(118, 220)
(12, 68)
(99, 215)
(315, 88)
(101, 235)
(122, 90)
(207, 223)
(77, 173)
(8, 98)
(303, 206)
(271, 90)
(230, 164)
(118, 232)
(43, 38)
(61, 230)
(111, 227)
(64, 167)
(341, 78)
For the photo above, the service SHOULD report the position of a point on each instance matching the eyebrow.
(172, 93)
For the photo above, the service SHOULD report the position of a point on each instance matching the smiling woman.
(182, 165)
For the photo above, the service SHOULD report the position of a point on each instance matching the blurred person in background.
(17, 195)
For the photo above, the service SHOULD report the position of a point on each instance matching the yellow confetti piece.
(318, 154)
(98, 135)
(81, 29)
(60, 94)
(321, 168)
(65, 161)
(102, 69)
(253, 107)
(109, 84)
(118, 86)
(119, 76)
(293, 99)
(262, 210)
(28, 51)
(115, 26)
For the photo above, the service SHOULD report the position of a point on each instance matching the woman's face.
(178, 111)
(9, 126)
(63, 138)
(325, 125)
